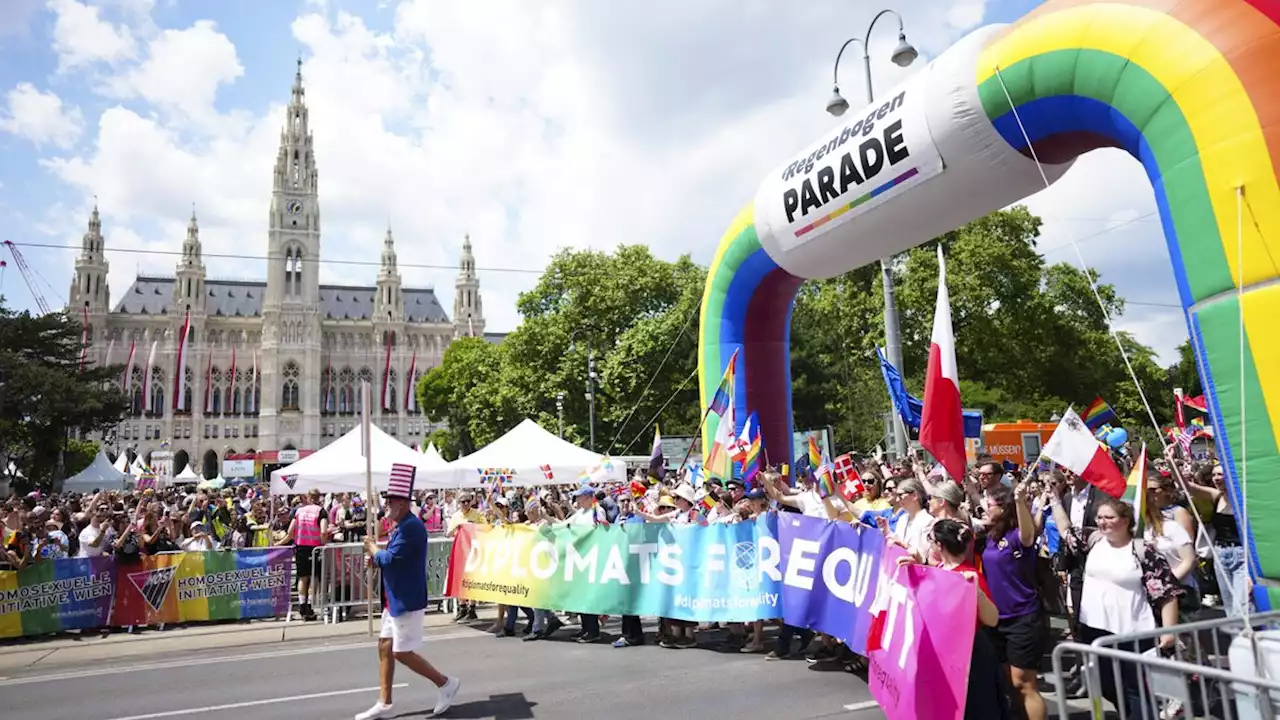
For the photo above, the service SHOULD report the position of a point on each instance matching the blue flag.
(910, 407)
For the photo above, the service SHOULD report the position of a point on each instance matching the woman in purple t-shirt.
(1009, 564)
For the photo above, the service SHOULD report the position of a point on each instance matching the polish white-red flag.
(1074, 447)
(941, 421)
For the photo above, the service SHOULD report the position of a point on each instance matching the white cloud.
(182, 71)
(81, 37)
(41, 117)
(531, 126)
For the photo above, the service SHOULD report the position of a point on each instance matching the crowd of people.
(1038, 543)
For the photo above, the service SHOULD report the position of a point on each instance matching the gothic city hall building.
(271, 368)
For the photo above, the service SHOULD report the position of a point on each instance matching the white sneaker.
(447, 693)
(377, 711)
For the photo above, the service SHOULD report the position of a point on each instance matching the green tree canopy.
(622, 311)
(44, 394)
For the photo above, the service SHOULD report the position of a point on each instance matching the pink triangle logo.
(154, 585)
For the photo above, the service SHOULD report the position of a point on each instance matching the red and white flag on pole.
(179, 367)
(1074, 447)
(410, 392)
(146, 377)
(251, 395)
(126, 382)
(208, 380)
(386, 375)
(941, 421)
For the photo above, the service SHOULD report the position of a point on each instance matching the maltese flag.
(941, 422)
(1074, 447)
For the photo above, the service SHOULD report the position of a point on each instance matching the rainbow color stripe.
(1098, 413)
(743, 281)
(1190, 90)
(858, 201)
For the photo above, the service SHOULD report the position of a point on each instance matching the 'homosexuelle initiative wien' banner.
(84, 593)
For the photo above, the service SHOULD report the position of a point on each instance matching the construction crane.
(25, 269)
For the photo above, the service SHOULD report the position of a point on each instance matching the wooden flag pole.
(366, 448)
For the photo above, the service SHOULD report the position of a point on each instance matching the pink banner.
(921, 640)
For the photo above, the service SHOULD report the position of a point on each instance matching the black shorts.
(1020, 641)
(302, 555)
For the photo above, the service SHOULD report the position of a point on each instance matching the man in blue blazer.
(403, 564)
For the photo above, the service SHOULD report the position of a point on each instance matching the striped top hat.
(401, 485)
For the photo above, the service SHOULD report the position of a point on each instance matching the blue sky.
(531, 126)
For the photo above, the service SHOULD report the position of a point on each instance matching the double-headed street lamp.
(903, 55)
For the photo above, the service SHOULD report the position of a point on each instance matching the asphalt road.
(502, 678)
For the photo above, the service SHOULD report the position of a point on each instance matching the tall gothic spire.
(191, 251)
(388, 252)
(91, 244)
(295, 163)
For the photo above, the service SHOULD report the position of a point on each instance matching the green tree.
(45, 395)
(79, 454)
(467, 391)
(627, 311)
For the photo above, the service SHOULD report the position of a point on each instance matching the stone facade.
(272, 365)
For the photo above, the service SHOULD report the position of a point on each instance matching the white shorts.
(405, 630)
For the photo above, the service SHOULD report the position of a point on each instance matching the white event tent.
(433, 458)
(523, 451)
(339, 467)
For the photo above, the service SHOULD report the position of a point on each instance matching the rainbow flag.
(1098, 413)
(724, 393)
(707, 502)
(815, 454)
(751, 466)
(1136, 491)
(826, 480)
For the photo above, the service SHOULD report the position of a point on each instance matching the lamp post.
(903, 55)
(560, 412)
(590, 395)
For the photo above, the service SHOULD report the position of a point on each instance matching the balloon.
(1117, 438)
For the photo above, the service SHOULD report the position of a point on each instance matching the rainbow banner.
(57, 595)
(195, 586)
(84, 593)
(721, 573)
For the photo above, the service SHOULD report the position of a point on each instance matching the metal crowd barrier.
(1216, 670)
(338, 577)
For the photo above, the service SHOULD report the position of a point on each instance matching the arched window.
(215, 391)
(328, 391)
(346, 391)
(289, 388)
(253, 400)
(235, 401)
(157, 392)
(413, 388)
(136, 384)
(189, 379)
(392, 386)
(365, 375)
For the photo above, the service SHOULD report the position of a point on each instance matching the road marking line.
(253, 703)
(864, 705)
(144, 667)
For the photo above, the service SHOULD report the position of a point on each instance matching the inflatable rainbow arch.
(1190, 88)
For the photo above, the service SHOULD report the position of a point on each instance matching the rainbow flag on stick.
(1136, 491)
(815, 454)
(724, 393)
(1099, 413)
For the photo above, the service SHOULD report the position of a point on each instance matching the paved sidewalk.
(73, 649)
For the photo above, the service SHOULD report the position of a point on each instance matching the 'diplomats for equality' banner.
(717, 572)
(83, 593)
(812, 572)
